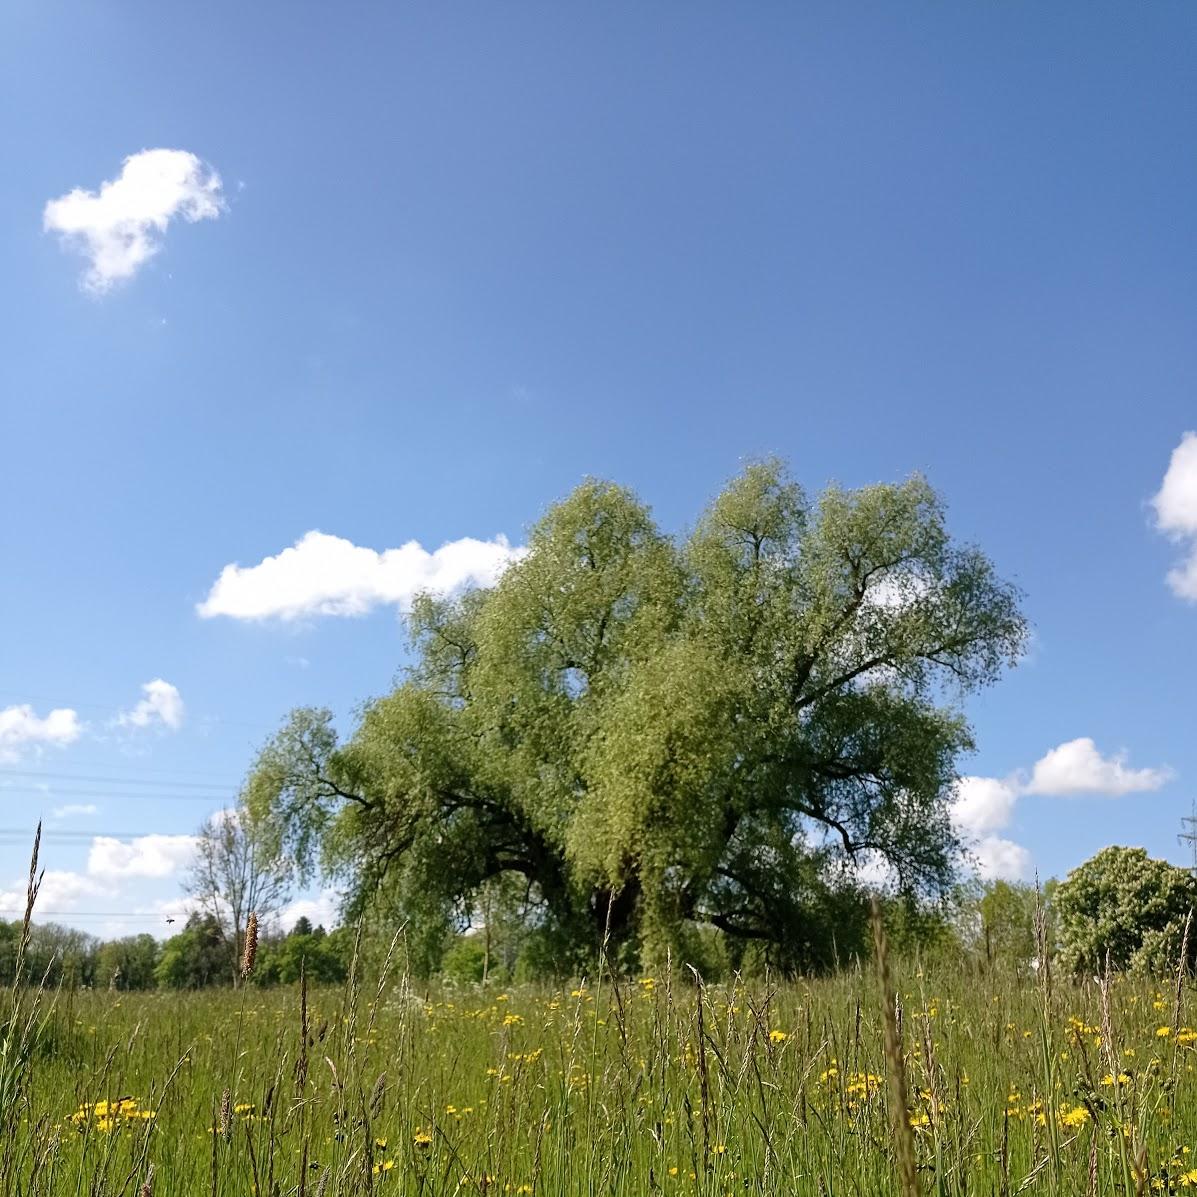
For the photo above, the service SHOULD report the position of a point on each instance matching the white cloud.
(1176, 503)
(982, 805)
(1000, 859)
(120, 227)
(111, 859)
(1176, 513)
(21, 727)
(74, 808)
(162, 705)
(897, 590)
(60, 891)
(320, 911)
(1077, 767)
(328, 575)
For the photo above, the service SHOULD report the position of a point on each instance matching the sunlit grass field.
(651, 1085)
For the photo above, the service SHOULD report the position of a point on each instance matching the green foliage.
(1125, 906)
(994, 921)
(60, 955)
(659, 736)
(194, 958)
(464, 962)
(324, 957)
(128, 963)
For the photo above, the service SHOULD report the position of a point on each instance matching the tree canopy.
(660, 735)
(1124, 909)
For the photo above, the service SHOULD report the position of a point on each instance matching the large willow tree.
(656, 735)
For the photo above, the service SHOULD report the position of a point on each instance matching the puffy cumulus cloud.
(111, 859)
(61, 891)
(328, 575)
(162, 706)
(22, 728)
(982, 806)
(120, 227)
(1077, 767)
(1000, 859)
(1176, 513)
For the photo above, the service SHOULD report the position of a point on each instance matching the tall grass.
(652, 1085)
(864, 1083)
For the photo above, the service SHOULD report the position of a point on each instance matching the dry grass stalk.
(1182, 968)
(249, 953)
(378, 1095)
(301, 1063)
(704, 1083)
(895, 1068)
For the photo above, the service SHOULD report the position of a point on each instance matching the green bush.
(1125, 906)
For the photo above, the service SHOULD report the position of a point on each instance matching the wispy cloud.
(71, 809)
(328, 575)
(120, 227)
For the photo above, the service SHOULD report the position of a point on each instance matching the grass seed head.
(249, 952)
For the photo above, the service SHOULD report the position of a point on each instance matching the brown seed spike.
(250, 951)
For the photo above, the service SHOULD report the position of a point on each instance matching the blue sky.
(462, 256)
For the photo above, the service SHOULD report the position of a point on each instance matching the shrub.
(1124, 905)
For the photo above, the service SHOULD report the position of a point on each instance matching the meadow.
(651, 1084)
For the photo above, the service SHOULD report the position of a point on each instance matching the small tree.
(1004, 922)
(194, 958)
(128, 963)
(1125, 906)
(239, 867)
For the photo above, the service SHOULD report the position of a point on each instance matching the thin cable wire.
(66, 797)
(124, 781)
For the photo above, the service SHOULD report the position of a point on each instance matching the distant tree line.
(1121, 910)
(195, 958)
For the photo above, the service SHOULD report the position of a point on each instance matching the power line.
(57, 797)
(1190, 836)
(108, 765)
(96, 914)
(124, 781)
(51, 833)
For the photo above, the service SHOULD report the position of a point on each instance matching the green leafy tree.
(61, 955)
(323, 957)
(657, 736)
(995, 920)
(10, 937)
(196, 957)
(1125, 906)
(128, 963)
